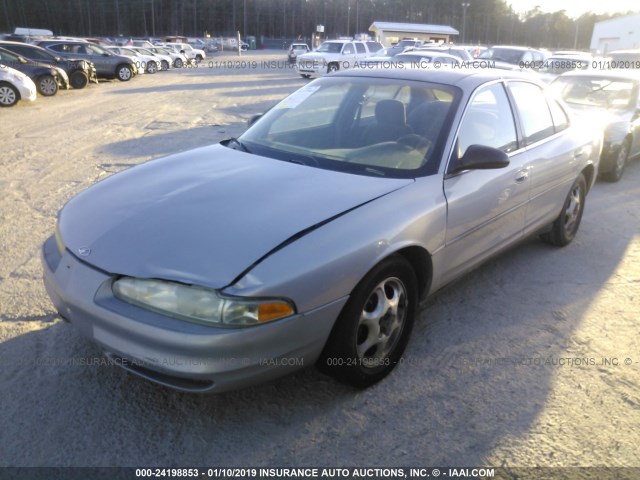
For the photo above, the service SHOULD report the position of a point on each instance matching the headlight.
(200, 305)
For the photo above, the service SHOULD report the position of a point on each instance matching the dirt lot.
(531, 360)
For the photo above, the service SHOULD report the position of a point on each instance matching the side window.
(488, 121)
(348, 49)
(533, 110)
(58, 47)
(360, 48)
(559, 116)
(527, 57)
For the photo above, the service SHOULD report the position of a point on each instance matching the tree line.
(481, 21)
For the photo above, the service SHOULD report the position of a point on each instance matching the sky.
(575, 8)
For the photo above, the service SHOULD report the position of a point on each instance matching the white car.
(334, 55)
(14, 86)
(166, 61)
(140, 63)
(186, 49)
(177, 59)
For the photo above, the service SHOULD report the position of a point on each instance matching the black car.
(80, 72)
(48, 78)
(107, 64)
(612, 98)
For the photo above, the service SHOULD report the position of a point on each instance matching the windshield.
(596, 92)
(371, 126)
(330, 47)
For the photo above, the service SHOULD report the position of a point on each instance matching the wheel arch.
(589, 173)
(420, 261)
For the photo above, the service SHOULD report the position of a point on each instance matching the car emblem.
(84, 251)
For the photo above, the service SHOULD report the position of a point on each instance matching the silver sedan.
(313, 237)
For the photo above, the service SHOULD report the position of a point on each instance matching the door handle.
(522, 176)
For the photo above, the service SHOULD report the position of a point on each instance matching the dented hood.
(207, 215)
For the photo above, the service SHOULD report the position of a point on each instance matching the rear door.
(486, 208)
(554, 155)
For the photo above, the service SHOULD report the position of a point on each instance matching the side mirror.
(481, 157)
(254, 119)
(58, 59)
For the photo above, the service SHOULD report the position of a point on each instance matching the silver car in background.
(313, 237)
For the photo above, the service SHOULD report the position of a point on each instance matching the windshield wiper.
(235, 144)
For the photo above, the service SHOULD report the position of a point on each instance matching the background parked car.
(460, 52)
(177, 59)
(334, 55)
(610, 98)
(47, 77)
(518, 57)
(107, 65)
(186, 49)
(146, 63)
(296, 49)
(15, 86)
(164, 60)
(80, 72)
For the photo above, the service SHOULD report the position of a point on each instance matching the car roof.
(470, 77)
(514, 47)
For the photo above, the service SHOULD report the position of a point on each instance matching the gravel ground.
(531, 360)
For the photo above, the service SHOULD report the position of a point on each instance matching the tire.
(164, 65)
(152, 67)
(565, 227)
(78, 79)
(178, 63)
(9, 95)
(304, 75)
(199, 58)
(374, 326)
(47, 86)
(622, 155)
(332, 67)
(124, 73)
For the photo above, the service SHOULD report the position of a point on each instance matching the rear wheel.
(47, 85)
(178, 63)
(9, 95)
(78, 79)
(124, 73)
(164, 65)
(620, 162)
(565, 227)
(373, 329)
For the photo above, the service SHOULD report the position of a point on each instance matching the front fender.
(328, 263)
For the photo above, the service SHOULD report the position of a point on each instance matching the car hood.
(208, 215)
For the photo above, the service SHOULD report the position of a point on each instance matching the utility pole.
(465, 5)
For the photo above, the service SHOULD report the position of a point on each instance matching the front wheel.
(333, 67)
(47, 86)
(152, 67)
(9, 95)
(565, 227)
(622, 156)
(124, 73)
(178, 63)
(164, 65)
(373, 329)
